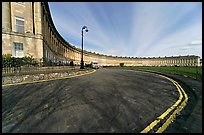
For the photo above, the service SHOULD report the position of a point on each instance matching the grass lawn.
(187, 71)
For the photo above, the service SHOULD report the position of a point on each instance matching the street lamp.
(196, 66)
(82, 62)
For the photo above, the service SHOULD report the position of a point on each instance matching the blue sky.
(133, 29)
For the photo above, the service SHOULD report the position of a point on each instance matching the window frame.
(21, 19)
(18, 48)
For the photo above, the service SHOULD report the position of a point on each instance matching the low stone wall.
(42, 76)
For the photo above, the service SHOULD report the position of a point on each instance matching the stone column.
(50, 39)
(6, 16)
(198, 60)
(44, 26)
(38, 17)
(38, 29)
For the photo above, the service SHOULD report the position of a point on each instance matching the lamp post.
(196, 66)
(82, 61)
(196, 72)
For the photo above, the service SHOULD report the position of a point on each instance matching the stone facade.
(41, 40)
(31, 38)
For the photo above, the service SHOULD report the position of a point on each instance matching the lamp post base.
(82, 65)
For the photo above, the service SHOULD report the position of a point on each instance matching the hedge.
(9, 61)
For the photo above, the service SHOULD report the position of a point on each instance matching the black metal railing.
(30, 69)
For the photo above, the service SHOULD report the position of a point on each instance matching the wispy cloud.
(132, 29)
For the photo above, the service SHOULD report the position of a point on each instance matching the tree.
(121, 64)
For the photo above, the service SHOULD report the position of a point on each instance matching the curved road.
(108, 100)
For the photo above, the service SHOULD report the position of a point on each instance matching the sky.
(132, 29)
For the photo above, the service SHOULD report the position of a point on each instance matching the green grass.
(187, 71)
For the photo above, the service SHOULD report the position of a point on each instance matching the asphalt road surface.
(109, 100)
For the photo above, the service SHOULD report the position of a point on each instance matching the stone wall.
(42, 76)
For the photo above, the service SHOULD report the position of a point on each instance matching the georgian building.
(28, 30)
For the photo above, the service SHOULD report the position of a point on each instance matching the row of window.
(19, 27)
(18, 50)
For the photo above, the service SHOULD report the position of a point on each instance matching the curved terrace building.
(28, 30)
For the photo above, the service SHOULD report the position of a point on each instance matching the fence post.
(20, 69)
(14, 69)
